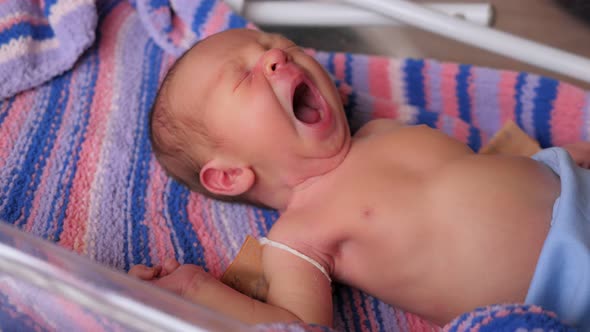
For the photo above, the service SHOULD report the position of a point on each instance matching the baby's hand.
(580, 153)
(149, 273)
(179, 279)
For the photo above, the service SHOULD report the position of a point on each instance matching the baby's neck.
(305, 191)
(275, 197)
(291, 192)
(285, 197)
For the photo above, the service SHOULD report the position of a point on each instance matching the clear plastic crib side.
(45, 287)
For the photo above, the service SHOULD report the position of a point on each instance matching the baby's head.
(248, 114)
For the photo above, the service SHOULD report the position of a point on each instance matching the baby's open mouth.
(306, 105)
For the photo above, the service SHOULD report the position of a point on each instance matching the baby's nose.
(274, 59)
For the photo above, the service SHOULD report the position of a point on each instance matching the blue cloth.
(561, 282)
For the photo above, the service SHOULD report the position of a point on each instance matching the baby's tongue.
(307, 114)
(305, 105)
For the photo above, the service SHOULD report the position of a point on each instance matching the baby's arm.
(298, 286)
(196, 285)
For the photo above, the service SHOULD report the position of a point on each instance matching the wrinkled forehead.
(220, 48)
(198, 71)
(229, 40)
(201, 70)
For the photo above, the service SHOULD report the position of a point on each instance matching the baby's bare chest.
(381, 209)
(371, 205)
(383, 187)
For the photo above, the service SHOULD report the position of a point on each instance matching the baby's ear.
(226, 180)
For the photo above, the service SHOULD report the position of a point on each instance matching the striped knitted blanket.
(76, 166)
(41, 39)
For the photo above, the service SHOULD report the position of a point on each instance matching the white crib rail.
(333, 13)
(503, 43)
(329, 14)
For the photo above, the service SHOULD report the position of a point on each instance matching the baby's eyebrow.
(218, 78)
(225, 69)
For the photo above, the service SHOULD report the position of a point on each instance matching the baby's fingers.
(580, 153)
(170, 265)
(145, 273)
(186, 280)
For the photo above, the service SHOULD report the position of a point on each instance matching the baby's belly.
(495, 200)
(477, 234)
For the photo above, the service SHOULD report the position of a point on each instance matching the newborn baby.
(405, 213)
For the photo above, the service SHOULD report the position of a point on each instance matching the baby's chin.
(331, 149)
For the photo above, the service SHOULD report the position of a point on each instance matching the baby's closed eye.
(239, 72)
(241, 77)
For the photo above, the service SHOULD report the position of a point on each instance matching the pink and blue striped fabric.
(76, 166)
(509, 317)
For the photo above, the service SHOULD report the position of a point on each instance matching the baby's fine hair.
(170, 141)
(166, 133)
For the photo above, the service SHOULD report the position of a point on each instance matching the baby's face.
(265, 99)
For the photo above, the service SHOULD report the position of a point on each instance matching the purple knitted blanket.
(76, 166)
(41, 39)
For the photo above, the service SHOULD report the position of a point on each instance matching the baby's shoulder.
(292, 223)
(317, 239)
(295, 227)
(376, 127)
(391, 130)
